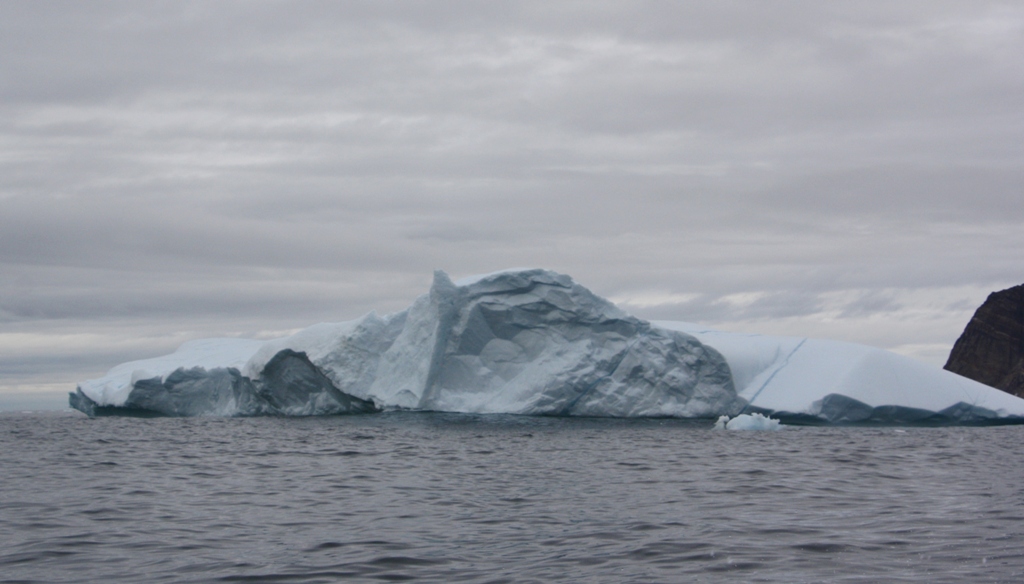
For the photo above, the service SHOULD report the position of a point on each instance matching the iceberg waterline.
(535, 342)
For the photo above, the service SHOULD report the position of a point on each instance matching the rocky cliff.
(991, 348)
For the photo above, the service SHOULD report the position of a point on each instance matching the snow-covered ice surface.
(809, 380)
(531, 341)
(113, 389)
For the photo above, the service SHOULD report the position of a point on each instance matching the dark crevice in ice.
(750, 404)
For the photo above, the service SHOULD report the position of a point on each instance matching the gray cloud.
(171, 169)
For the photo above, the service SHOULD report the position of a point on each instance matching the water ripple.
(443, 498)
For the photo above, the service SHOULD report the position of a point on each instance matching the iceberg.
(520, 341)
(534, 342)
(810, 381)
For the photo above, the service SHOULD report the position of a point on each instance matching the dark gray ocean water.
(449, 498)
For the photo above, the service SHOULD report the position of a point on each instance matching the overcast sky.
(175, 170)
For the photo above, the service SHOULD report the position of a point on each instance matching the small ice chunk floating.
(535, 342)
(753, 421)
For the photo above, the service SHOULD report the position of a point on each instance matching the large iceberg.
(536, 342)
(522, 342)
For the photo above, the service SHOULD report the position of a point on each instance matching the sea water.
(459, 498)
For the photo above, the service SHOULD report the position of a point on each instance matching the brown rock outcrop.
(991, 348)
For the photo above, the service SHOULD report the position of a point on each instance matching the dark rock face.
(991, 348)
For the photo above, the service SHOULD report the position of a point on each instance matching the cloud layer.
(172, 169)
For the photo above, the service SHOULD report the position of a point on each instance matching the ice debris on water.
(753, 421)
